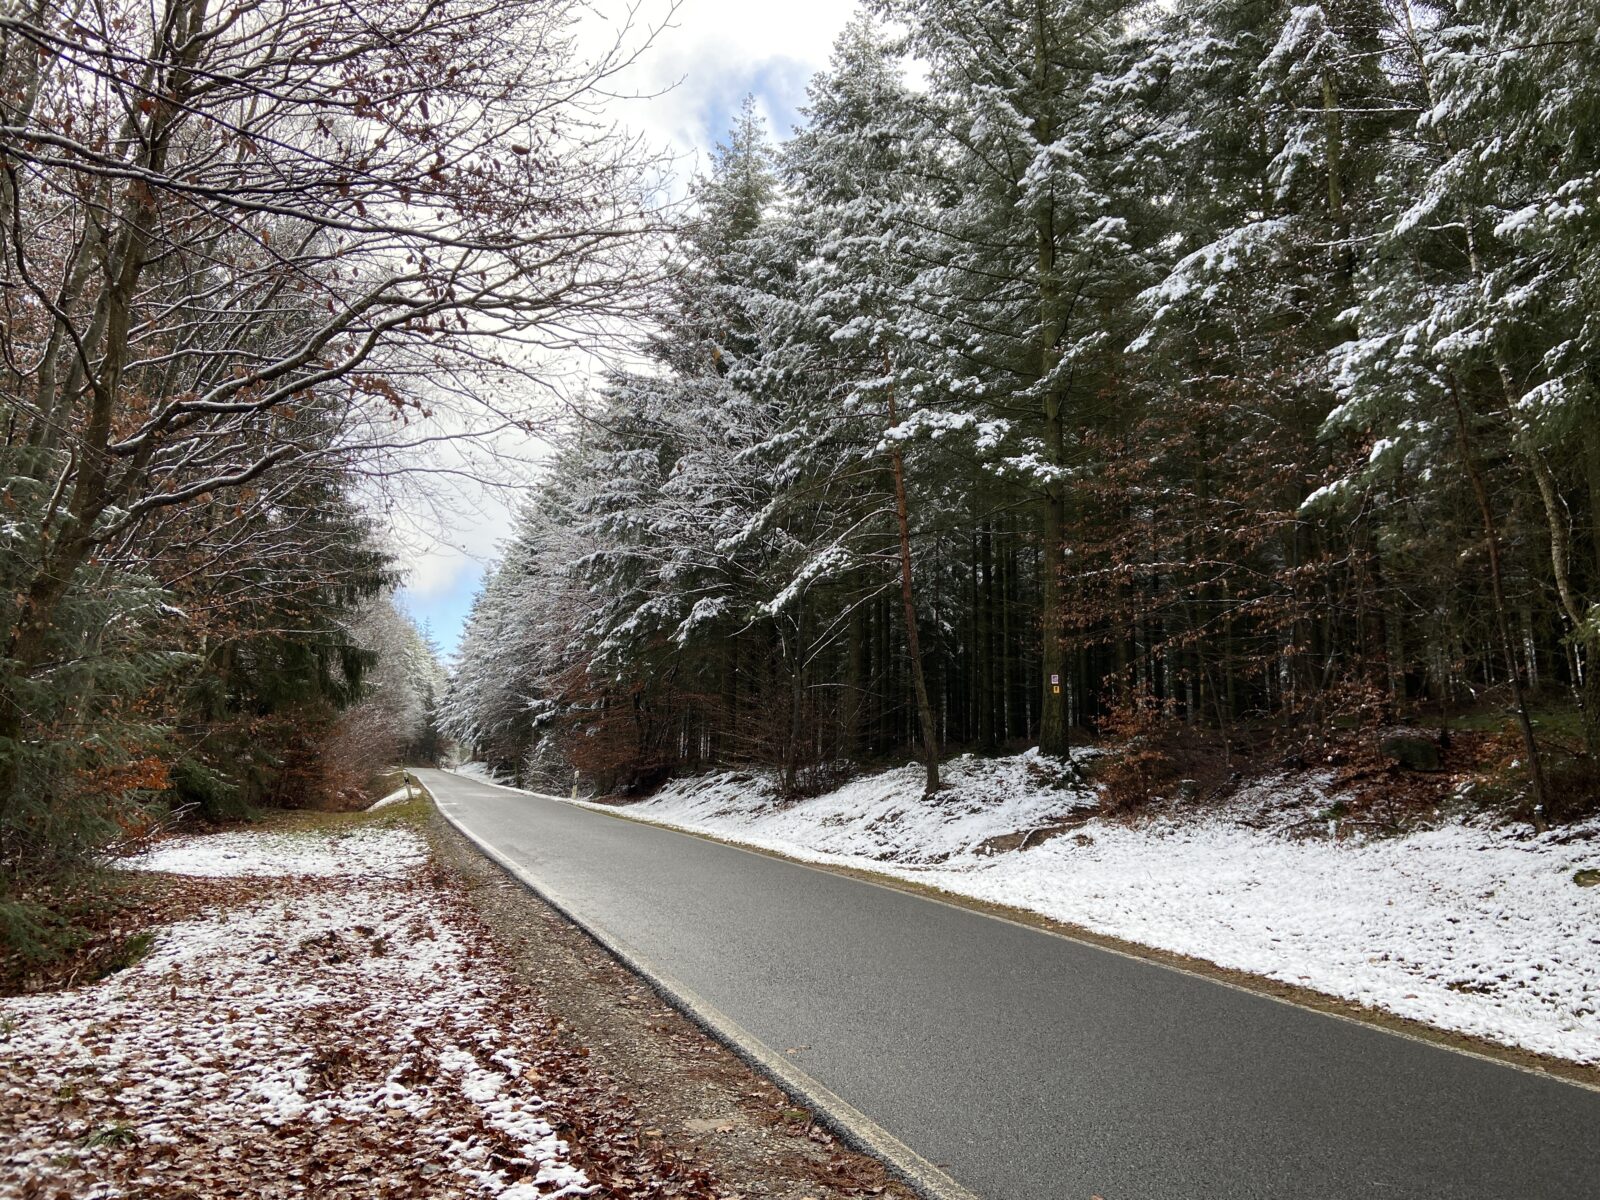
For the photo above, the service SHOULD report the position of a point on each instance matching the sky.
(714, 53)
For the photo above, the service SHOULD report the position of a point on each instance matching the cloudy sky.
(714, 54)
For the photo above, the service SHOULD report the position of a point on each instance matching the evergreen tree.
(1206, 373)
(1028, 254)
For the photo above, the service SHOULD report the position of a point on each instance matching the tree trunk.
(1589, 659)
(796, 659)
(988, 739)
(1054, 736)
(855, 684)
(1491, 533)
(930, 740)
(1009, 654)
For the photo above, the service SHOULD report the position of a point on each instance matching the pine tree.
(1029, 257)
(852, 173)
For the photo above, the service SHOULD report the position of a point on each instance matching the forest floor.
(360, 1005)
(1455, 919)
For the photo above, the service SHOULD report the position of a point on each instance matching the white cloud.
(717, 51)
(438, 569)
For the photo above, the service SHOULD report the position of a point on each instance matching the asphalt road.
(1031, 1067)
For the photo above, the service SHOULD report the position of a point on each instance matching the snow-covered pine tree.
(837, 350)
(1263, 123)
(1514, 89)
(1467, 358)
(1026, 251)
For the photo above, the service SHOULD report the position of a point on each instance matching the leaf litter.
(343, 1027)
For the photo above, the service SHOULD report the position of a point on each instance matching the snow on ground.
(359, 1020)
(879, 817)
(1465, 926)
(399, 796)
(370, 853)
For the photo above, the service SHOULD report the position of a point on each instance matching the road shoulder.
(699, 1096)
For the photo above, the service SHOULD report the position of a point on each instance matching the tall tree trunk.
(1589, 658)
(796, 659)
(1010, 652)
(930, 739)
(1054, 736)
(988, 740)
(855, 684)
(1491, 534)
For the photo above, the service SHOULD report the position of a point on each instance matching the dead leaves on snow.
(151, 1082)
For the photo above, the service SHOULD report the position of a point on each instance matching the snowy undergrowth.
(370, 854)
(354, 1001)
(881, 817)
(1468, 927)
(478, 770)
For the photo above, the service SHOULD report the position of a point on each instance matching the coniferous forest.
(1219, 374)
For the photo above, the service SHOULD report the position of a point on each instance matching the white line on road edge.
(849, 1122)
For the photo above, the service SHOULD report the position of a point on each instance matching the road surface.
(1030, 1066)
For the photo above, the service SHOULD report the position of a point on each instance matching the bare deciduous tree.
(246, 238)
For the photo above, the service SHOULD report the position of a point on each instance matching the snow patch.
(230, 1021)
(361, 853)
(399, 796)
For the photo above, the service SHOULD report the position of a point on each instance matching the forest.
(1046, 639)
(1216, 377)
(268, 270)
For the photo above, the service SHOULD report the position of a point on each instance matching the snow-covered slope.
(880, 817)
(1466, 926)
